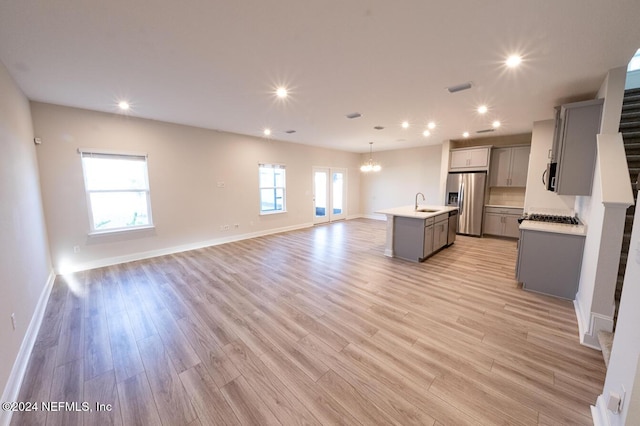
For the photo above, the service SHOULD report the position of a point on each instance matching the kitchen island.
(415, 234)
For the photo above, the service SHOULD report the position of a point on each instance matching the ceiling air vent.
(289, 131)
(459, 87)
(378, 127)
(486, 131)
(353, 115)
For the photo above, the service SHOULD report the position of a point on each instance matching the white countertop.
(409, 211)
(560, 228)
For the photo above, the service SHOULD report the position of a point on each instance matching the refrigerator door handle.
(461, 199)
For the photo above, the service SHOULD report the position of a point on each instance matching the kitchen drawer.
(441, 218)
(517, 211)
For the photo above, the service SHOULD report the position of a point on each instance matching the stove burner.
(568, 220)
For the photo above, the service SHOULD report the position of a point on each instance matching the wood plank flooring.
(312, 327)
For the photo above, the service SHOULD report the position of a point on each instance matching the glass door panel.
(338, 210)
(320, 195)
(329, 194)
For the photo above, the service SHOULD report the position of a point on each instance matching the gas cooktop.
(550, 218)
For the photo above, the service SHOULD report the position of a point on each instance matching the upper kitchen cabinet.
(509, 166)
(469, 159)
(574, 147)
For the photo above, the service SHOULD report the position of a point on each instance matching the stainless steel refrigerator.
(466, 191)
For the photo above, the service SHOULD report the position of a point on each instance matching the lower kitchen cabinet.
(440, 231)
(502, 221)
(428, 240)
(416, 239)
(550, 262)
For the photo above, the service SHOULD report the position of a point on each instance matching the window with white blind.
(272, 188)
(117, 188)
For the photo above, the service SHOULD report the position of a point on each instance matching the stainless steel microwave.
(550, 174)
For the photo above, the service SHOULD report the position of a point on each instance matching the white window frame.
(146, 190)
(274, 188)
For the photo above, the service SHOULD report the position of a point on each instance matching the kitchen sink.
(426, 210)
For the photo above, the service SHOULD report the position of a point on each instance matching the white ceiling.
(215, 64)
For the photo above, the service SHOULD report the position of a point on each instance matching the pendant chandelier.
(370, 166)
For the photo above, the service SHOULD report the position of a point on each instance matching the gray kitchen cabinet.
(493, 223)
(574, 146)
(502, 221)
(411, 238)
(511, 226)
(416, 239)
(550, 262)
(509, 166)
(468, 159)
(440, 231)
(428, 240)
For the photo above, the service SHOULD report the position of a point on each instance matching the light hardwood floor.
(312, 327)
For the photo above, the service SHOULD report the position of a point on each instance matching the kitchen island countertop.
(409, 211)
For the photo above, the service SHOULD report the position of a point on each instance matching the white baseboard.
(589, 332)
(599, 413)
(12, 388)
(354, 216)
(176, 249)
(375, 216)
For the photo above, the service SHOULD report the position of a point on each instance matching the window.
(117, 188)
(272, 188)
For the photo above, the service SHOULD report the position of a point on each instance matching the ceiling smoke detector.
(460, 87)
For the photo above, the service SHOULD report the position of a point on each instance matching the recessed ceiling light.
(426, 133)
(496, 124)
(281, 92)
(482, 109)
(123, 105)
(378, 127)
(353, 115)
(267, 132)
(465, 135)
(431, 125)
(405, 124)
(513, 61)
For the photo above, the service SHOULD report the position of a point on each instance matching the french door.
(329, 194)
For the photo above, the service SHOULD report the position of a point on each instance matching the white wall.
(537, 198)
(24, 258)
(626, 344)
(604, 213)
(404, 173)
(185, 164)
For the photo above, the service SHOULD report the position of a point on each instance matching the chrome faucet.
(423, 199)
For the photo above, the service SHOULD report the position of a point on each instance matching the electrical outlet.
(76, 249)
(13, 320)
(221, 185)
(236, 226)
(226, 227)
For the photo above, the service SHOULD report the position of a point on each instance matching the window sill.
(273, 212)
(121, 230)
